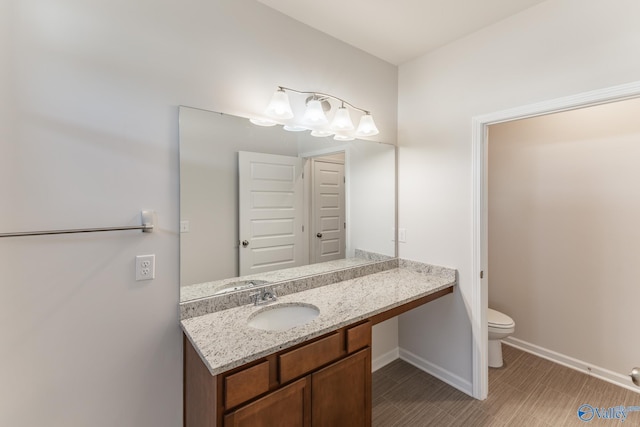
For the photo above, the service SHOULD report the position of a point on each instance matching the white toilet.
(500, 326)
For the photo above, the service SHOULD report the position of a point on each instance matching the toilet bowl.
(500, 326)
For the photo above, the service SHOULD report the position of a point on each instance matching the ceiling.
(399, 30)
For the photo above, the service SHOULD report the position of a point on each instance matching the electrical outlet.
(402, 235)
(145, 267)
(184, 226)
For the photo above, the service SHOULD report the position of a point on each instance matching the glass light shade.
(339, 137)
(294, 128)
(314, 114)
(367, 127)
(262, 122)
(279, 106)
(342, 120)
(321, 133)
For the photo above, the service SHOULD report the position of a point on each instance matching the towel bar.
(146, 227)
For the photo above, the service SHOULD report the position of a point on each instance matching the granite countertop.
(206, 289)
(200, 290)
(225, 341)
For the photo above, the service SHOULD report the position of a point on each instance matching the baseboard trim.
(570, 362)
(384, 359)
(442, 374)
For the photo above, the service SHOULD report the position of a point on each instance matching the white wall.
(89, 136)
(384, 347)
(372, 178)
(554, 49)
(563, 237)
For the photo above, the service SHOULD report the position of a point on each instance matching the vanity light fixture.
(367, 127)
(314, 113)
(279, 107)
(342, 120)
(294, 128)
(315, 119)
(262, 122)
(321, 133)
(339, 137)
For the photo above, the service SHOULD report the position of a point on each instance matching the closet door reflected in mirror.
(328, 209)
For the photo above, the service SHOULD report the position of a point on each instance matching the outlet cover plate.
(145, 267)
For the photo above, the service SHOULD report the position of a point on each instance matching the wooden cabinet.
(341, 393)
(310, 357)
(324, 382)
(287, 406)
(246, 384)
(335, 396)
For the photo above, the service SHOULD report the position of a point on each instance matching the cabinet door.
(288, 406)
(341, 393)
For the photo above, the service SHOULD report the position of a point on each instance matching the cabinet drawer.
(309, 357)
(246, 384)
(358, 337)
(287, 406)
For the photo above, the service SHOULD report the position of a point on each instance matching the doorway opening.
(480, 124)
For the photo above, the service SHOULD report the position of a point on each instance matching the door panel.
(328, 211)
(330, 247)
(274, 256)
(271, 212)
(273, 227)
(341, 393)
(288, 406)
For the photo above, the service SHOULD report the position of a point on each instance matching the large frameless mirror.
(260, 205)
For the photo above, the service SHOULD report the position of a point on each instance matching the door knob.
(319, 235)
(635, 376)
(245, 243)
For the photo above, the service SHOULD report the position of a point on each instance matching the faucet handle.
(255, 297)
(269, 295)
(263, 296)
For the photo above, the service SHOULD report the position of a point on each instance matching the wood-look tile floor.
(527, 391)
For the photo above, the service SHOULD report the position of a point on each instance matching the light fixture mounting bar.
(325, 95)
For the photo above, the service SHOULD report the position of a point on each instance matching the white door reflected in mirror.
(270, 192)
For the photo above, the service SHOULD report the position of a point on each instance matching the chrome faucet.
(263, 296)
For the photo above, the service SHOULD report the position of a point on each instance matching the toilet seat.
(499, 320)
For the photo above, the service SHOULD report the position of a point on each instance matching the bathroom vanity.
(315, 383)
(315, 374)
(241, 366)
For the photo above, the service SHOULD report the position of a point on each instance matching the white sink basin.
(283, 316)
